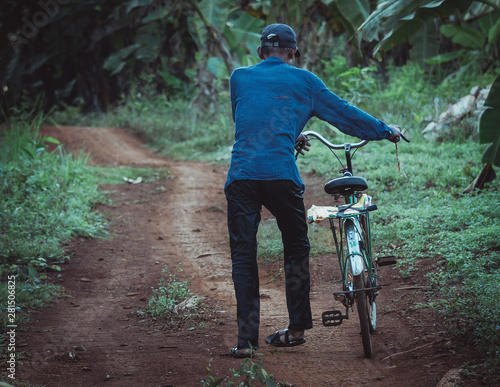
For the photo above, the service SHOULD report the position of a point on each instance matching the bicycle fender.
(355, 257)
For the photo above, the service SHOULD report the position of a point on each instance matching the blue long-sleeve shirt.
(271, 104)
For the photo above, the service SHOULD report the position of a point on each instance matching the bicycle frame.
(352, 236)
(357, 261)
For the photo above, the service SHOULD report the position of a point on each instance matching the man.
(271, 103)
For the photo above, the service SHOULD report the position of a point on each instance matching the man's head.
(278, 40)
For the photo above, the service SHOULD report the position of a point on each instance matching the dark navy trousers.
(283, 198)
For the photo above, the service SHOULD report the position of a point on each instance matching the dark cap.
(279, 35)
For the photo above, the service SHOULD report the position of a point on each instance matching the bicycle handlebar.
(311, 133)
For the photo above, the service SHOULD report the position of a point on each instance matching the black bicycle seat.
(346, 184)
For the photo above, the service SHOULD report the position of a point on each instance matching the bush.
(46, 199)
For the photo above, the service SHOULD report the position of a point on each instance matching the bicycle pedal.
(386, 261)
(332, 318)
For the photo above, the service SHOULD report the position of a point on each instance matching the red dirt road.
(94, 337)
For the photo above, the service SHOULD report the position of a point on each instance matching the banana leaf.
(443, 58)
(424, 45)
(400, 20)
(215, 13)
(244, 31)
(489, 130)
(355, 11)
(117, 61)
(385, 17)
(218, 68)
(464, 36)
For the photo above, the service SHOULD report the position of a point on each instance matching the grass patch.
(169, 293)
(45, 200)
(29, 296)
(251, 371)
(173, 306)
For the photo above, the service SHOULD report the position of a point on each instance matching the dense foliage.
(88, 54)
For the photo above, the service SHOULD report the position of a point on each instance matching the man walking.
(271, 103)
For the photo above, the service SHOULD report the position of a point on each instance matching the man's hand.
(396, 133)
(302, 144)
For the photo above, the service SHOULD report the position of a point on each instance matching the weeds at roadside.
(170, 293)
(172, 305)
(30, 296)
(250, 373)
(7, 382)
(46, 199)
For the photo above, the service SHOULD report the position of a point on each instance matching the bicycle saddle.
(346, 184)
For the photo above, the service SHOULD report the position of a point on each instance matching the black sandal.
(241, 353)
(275, 339)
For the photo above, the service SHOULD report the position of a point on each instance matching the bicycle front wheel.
(371, 301)
(366, 309)
(365, 320)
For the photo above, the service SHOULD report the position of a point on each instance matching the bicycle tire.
(354, 248)
(364, 317)
(372, 303)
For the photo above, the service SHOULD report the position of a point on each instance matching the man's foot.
(286, 338)
(241, 353)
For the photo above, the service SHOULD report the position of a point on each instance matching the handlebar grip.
(298, 147)
(404, 138)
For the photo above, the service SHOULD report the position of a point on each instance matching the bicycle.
(359, 270)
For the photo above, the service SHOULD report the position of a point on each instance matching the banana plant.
(489, 130)
(395, 21)
(475, 46)
(489, 133)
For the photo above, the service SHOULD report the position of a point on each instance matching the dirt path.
(94, 337)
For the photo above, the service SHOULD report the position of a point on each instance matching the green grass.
(170, 292)
(45, 200)
(29, 296)
(250, 372)
(173, 306)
